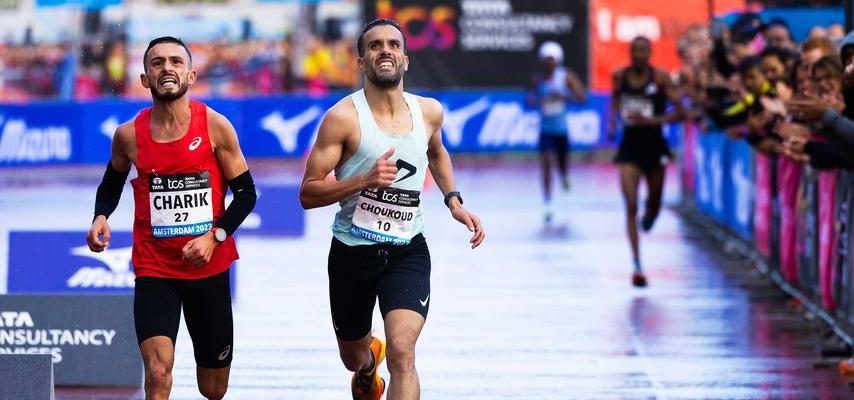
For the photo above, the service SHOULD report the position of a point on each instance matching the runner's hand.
(383, 172)
(100, 228)
(472, 222)
(199, 250)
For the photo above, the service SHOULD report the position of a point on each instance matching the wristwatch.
(219, 234)
(452, 194)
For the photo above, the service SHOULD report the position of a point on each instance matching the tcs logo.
(424, 28)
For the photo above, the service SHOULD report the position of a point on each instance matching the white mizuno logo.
(424, 302)
(109, 126)
(455, 120)
(118, 273)
(287, 130)
(224, 354)
(195, 143)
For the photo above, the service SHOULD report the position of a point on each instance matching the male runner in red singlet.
(185, 154)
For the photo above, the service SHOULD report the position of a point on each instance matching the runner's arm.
(579, 92)
(328, 149)
(235, 171)
(439, 160)
(110, 190)
(443, 171)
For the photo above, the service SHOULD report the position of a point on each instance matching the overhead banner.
(476, 43)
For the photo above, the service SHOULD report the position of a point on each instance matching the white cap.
(551, 49)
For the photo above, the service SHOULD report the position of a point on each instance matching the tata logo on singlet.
(21, 143)
(115, 271)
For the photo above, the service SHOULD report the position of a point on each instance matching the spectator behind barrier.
(839, 126)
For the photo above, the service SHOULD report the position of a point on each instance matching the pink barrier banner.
(788, 182)
(689, 168)
(762, 206)
(827, 237)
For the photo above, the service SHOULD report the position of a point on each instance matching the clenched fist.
(383, 172)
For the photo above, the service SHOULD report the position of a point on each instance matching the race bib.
(386, 215)
(181, 204)
(554, 107)
(636, 105)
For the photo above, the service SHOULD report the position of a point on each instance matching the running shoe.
(369, 385)
(647, 222)
(639, 279)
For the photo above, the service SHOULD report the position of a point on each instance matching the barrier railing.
(798, 221)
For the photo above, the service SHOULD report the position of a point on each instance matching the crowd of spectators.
(753, 81)
(226, 68)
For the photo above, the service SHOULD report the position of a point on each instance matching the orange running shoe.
(369, 385)
(846, 367)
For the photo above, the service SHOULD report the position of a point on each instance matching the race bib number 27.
(386, 215)
(180, 204)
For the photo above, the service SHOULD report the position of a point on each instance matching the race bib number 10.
(386, 215)
(180, 204)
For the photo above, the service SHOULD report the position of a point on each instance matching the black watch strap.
(452, 194)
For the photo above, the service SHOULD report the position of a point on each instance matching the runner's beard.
(169, 96)
(385, 81)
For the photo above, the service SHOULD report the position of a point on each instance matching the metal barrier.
(800, 225)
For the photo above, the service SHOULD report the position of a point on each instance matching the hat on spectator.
(745, 28)
(551, 49)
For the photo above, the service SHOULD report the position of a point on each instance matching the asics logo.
(224, 354)
(424, 302)
(195, 143)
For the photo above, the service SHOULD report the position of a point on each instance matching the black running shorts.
(207, 312)
(398, 275)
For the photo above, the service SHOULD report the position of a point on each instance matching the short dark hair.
(777, 23)
(160, 40)
(831, 64)
(749, 63)
(782, 54)
(642, 39)
(373, 24)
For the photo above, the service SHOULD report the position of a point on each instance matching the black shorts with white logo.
(207, 311)
(398, 275)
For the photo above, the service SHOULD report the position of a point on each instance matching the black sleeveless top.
(649, 100)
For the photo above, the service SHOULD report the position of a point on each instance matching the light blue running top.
(411, 157)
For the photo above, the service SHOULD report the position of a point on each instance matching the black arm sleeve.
(110, 191)
(826, 156)
(243, 188)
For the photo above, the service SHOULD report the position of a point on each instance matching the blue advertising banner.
(100, 121)
(277, 212)
(57, 262)
(60, 262)
(739, 189)
(285, 126)
(40, 133)
(711, 157)
(281, 126)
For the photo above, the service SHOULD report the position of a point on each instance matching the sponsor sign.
(448, 39)
(85, 335)
(60, 262)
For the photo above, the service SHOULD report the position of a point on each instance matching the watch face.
(220, 235)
